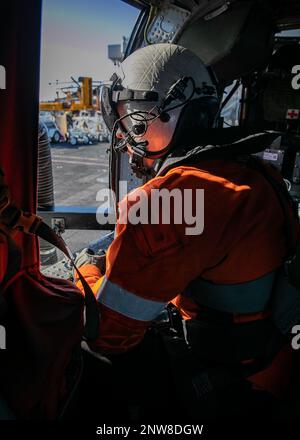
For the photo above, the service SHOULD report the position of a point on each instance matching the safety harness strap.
(235, 147)
(250, 297)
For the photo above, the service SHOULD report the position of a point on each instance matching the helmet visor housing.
(108, 108)
(115, 93)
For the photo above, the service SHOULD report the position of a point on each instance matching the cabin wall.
(20, 59)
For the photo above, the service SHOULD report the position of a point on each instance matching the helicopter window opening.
(75, 61)
(288, 33)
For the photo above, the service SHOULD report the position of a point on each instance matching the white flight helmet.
(147, 100)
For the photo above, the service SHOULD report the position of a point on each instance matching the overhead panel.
(234, 42)
(166, 24)
(234, 37)
(213, 36)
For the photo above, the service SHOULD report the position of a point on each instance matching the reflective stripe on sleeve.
(128, 304)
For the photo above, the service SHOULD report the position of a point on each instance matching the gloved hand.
(87, 256)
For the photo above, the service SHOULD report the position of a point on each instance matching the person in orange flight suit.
(164, 92)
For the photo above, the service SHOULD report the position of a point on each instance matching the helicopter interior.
(253, 47)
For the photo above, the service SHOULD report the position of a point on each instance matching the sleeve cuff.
(89, 270)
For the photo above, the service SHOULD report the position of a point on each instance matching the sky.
(75, 36)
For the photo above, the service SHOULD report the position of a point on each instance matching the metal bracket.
(58, 224)
(77, 217)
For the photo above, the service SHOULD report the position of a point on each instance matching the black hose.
(45, 189)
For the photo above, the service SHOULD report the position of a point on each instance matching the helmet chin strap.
(139, 152)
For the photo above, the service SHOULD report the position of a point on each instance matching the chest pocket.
(156, 240)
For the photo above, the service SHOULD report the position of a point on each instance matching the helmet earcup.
(197, 115)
